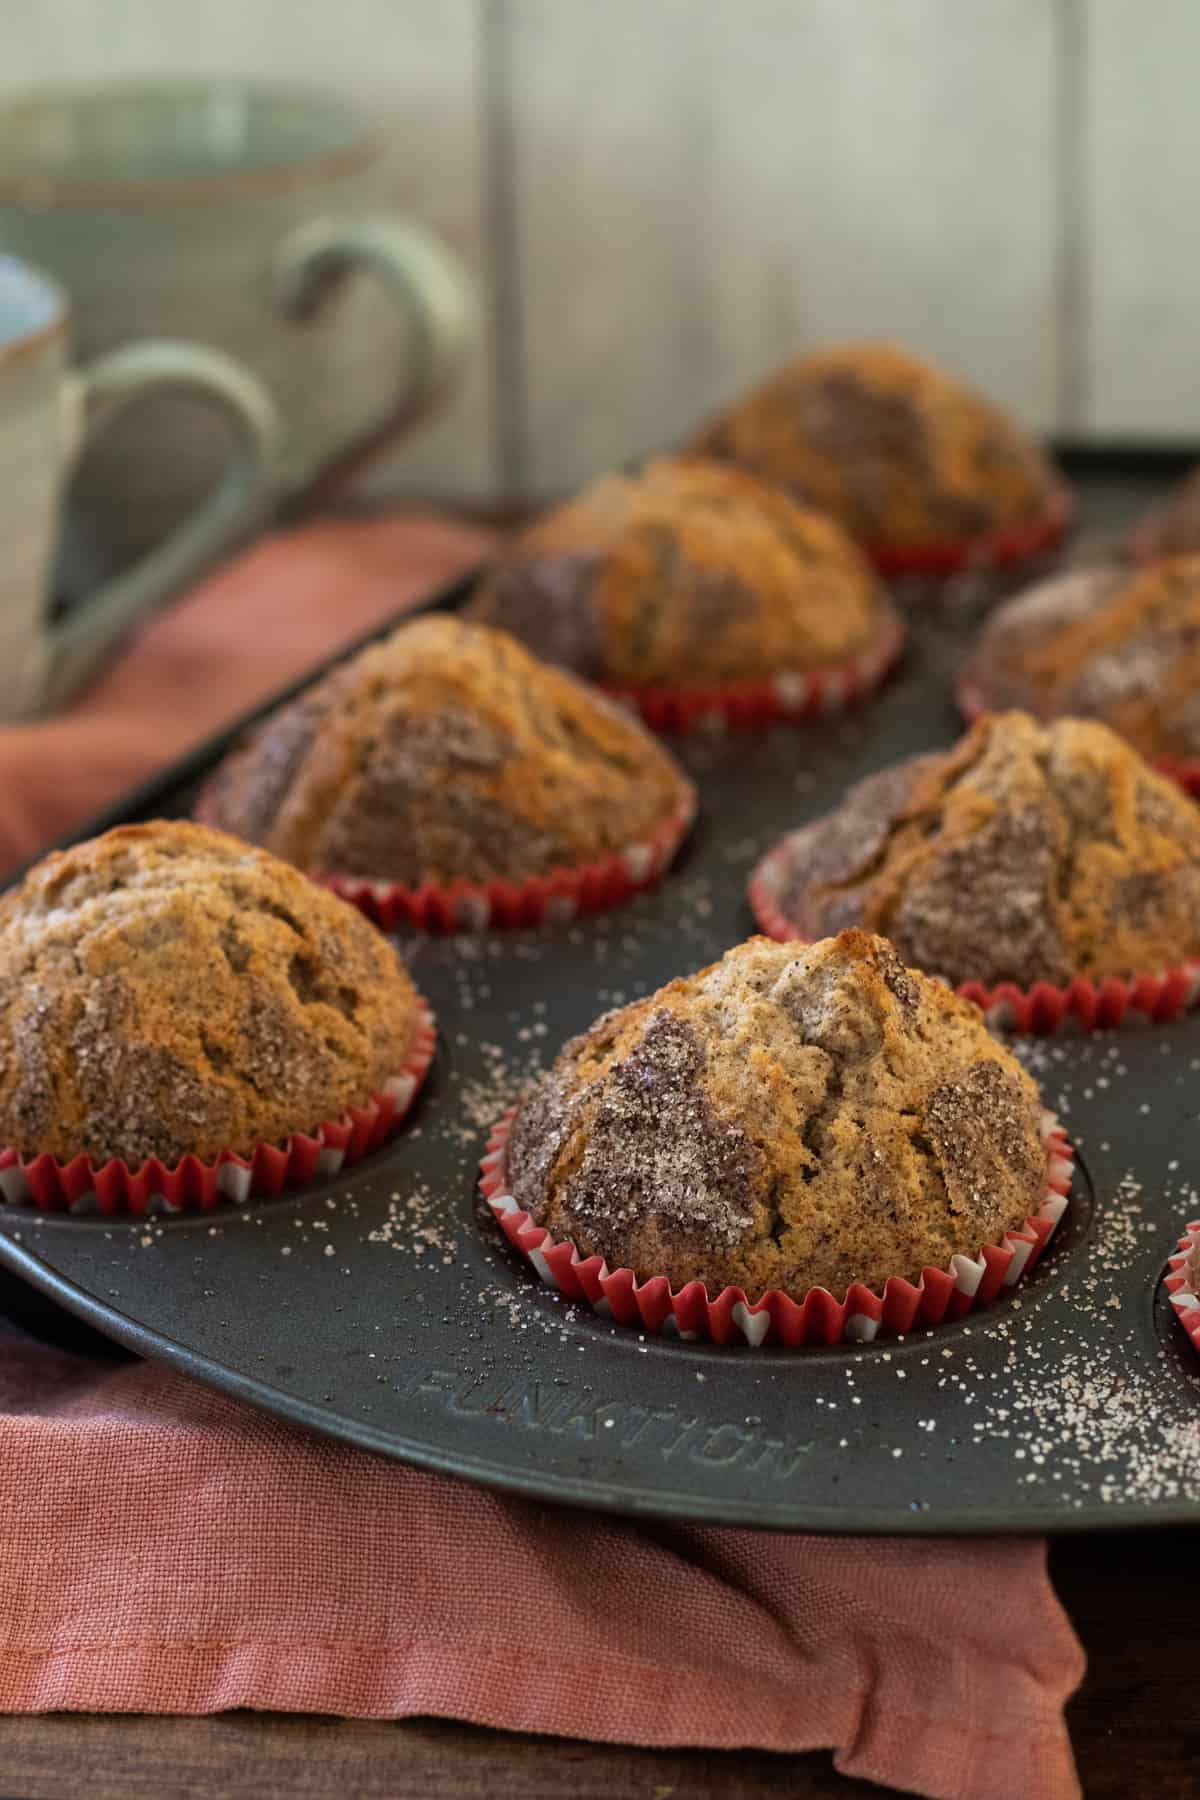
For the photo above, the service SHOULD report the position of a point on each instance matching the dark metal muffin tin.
(384, 1307)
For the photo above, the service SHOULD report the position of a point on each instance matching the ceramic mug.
(47, 410)
(244, 217)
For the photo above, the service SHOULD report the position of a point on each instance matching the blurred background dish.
(239, 215)
(47, 410)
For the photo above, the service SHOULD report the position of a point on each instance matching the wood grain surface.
(1135, 1725)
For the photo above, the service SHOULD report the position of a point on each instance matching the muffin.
(925, 473)
(1102, 643)
(793, 1117)
(447, 758)
(169, 992)
(1171, 528)
(1025, 854)
(689, 578)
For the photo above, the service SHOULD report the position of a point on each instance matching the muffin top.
(1171, 528)
(1026, 853)
(447, 750)
(166, 989)
(1103, 643)
(793, 1116)
(685, 574)
(902, 454)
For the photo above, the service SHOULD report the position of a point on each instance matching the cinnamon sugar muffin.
(1172, 528)
(790, 1117)
(446, 751)
(165, 989)
(1103, 643)
(1024, 854)
(907, 458)
(686, 574)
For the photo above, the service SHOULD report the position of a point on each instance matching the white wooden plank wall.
(700, 188)
(663, 197)
(1141, 170)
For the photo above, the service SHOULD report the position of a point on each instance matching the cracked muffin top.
(165, 989)
(1102, 643)
(793, 1116)
(685, 574)
(1026, 853)
(900, 453)
(447, 750)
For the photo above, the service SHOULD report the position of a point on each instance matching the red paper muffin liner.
(192, 1184)
(1183, 769)
(555, 898)
(1041, 1009)
(1182, 1295)
(775, 1318)
(752, 705)
(1000, 550)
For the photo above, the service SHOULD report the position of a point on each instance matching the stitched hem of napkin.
(620, 1701)
(947, 1760)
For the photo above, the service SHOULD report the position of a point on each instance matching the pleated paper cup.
(999, 550)
(1181, 1289)
(817, 1317)
(1183, 769)
(789, 696)
(80, 1186)
(554, 898)
(1154, 997)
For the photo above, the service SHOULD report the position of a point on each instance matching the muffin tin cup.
(1183, 769)
(818, 1318)
(555, 898)
(1183, 1296)
(1003, 549)
(1043, 1009)
(113, 1188)
(753, 705)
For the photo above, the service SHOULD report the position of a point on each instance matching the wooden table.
(1136, 1727)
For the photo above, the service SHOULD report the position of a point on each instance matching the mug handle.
(95, 394)
(428, 285)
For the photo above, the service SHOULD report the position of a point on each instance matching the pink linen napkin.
(168, 1550)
